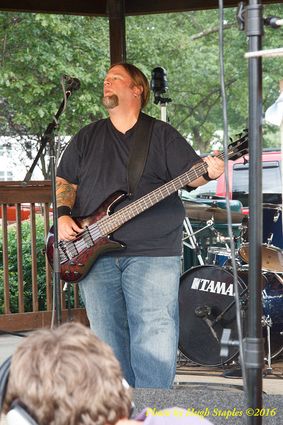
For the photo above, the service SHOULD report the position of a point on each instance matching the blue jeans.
(132, 304)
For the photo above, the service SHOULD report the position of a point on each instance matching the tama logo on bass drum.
(216, 287)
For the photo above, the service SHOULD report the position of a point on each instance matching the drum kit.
(206, 296)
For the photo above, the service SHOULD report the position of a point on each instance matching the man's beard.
(110, 102)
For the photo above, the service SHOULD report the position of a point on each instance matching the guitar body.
(73, 270)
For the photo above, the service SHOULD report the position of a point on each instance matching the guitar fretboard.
(111, 223)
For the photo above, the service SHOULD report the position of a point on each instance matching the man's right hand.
(67, 228)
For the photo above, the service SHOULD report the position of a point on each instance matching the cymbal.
(203, 212)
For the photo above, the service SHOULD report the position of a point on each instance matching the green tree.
(36, 50)
(186, 44)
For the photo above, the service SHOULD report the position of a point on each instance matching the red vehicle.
(25, 212)
(239, 181)
(11, 213)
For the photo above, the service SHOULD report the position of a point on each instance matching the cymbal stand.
(220, 238)
(193, 240)
(266, 321)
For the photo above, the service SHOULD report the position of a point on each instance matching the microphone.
(273, 21)
(158, 83)
(72, 83)
(203, 311)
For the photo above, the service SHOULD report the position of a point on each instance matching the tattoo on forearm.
(65, 194)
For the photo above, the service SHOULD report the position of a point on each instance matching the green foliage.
(186, 44)
(27, 266)
(37, 49)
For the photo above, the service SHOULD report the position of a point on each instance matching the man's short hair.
(138, 78)
(68, 376)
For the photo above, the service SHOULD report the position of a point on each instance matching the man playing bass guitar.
(131, 295)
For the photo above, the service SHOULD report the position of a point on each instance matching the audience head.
(67, 376)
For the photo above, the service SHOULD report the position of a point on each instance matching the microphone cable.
(226, 174)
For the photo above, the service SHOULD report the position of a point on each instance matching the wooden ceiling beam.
(99, 7)
(117, 30)
(67, 7)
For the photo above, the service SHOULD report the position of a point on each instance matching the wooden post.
(117, 32)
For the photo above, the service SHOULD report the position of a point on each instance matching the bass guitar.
(78, 256)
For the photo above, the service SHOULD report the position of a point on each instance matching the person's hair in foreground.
(67, 376)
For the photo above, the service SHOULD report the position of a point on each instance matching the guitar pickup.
(87, 238)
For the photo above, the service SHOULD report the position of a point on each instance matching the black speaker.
(18, 414)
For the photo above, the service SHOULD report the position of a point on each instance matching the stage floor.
(192, 375)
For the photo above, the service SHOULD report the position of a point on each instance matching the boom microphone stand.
(48, 138)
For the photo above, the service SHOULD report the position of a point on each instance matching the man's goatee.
(110, 102)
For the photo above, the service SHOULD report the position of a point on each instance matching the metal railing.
(25, 206)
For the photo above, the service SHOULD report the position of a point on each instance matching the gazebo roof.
(100, 7)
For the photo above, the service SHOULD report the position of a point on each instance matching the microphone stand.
(252, 21)
(163, 106)
(48, 138)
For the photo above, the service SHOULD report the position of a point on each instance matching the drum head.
(272, 257)
(205, 292)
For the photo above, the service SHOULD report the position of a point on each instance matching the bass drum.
(207, 306)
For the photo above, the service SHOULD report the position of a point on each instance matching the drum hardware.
(191, 235)
(209, 223)
(204, 312)
(220, 255)
(267, 322)
(269, 240)
(276, 215)
(193, 243)
(220, 238)
(227, 342)
(222, 314)
(193, 240)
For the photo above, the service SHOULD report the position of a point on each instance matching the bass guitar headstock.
(239, 147)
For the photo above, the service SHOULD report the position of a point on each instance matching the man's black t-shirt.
(97, 159)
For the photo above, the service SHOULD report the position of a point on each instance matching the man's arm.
(66, 196)
(65, 193)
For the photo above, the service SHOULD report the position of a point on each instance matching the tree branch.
(211, 31)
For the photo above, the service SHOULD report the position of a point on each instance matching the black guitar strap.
(139, 151)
